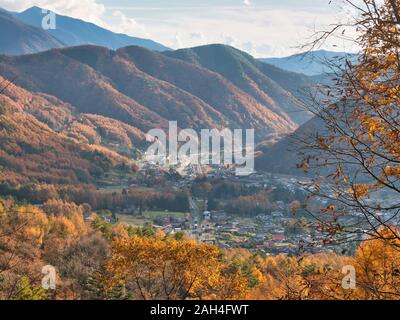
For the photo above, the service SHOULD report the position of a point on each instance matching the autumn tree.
(307, 277)
(377, 265)
(250, 205)
(355, 152)
(22, 229)
(162, 267)
(31, 239)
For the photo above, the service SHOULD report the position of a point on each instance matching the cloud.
(228, 39)
(124, 24)
(260, 30)
(177, 41)
(263, 27)
(197, 35)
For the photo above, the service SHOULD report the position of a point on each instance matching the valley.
(134, 170)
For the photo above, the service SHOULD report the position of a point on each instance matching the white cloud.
(123, 24)
(177, 41)
(260, 30)
(263, 27)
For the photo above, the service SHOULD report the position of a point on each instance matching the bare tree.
(355, 154)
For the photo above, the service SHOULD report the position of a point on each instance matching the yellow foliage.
(166, 268)
(359, 190)
(378, 266)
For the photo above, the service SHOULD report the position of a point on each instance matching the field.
(148, 217)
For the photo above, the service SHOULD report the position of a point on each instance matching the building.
(207, 215)
(278, 237)
(219, 216)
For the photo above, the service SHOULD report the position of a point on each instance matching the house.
(175, 230)
(281, 205)
(277, 214)
(168, 229)
(130, 210)
(107, 219)
(260, 236)
(219, 216)
(278, 237)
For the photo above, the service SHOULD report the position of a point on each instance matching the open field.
(148, 217)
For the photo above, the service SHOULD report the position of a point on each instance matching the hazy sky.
(261, 27)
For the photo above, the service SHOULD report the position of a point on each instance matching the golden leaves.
(378, 265)
(392, 171)
(359, 190)
(374, 126)
(163, 267)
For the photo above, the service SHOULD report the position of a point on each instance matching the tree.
(357, 148)
(76, 264)
(378, 268)
(162, 267)
(22, 230)
(26, 292)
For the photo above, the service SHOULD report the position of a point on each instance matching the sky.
(263, 28)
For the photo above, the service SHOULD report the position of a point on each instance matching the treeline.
(174, 200)
(250, 205)
(239, 198)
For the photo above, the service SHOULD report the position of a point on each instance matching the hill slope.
(279, 90)
(145, 89)
(56, 74)
(242, 109)
(31, 151)
(285, 156)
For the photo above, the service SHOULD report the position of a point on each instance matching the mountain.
(78, 84)
(284, 156)
(278, 90)
(144, 89)
(162, 98)
(18, 38)
(34, 147)
(75, 32)
(243, 110)
(311, 63)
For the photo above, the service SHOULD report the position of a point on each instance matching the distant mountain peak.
(309, 63)
(33, 9)
(16, 37)
(69, 32)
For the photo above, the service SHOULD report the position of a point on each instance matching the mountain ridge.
(74, 32)
(312, 63)
(145, 89)
(257, 79)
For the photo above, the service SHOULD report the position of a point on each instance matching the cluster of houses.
(170, 224)
(264, 233)
(227, 231)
